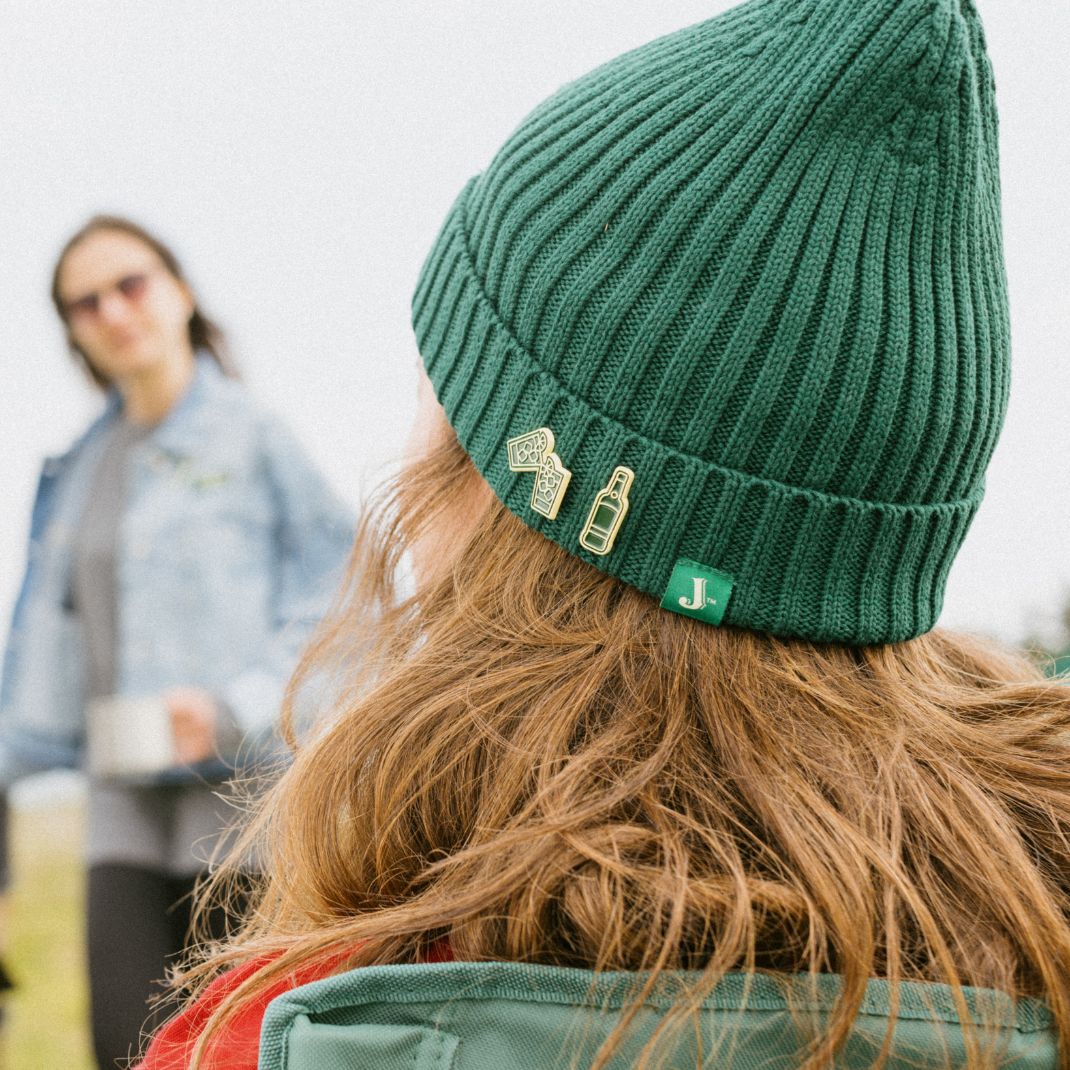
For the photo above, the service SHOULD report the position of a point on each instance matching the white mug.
(129, 735)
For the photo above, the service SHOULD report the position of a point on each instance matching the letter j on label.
(696, 590)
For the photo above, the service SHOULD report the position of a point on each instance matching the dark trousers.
(137, 923)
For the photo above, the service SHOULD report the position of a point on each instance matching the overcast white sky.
(300, 158)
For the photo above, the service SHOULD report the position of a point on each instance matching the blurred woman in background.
(179, 552)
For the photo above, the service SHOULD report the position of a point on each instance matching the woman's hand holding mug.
(194, 720)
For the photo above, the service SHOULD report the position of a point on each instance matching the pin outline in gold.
(534, 452)
(610, 503)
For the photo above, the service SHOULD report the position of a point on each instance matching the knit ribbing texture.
(759, 262)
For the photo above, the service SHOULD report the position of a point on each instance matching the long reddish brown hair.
(533, 762)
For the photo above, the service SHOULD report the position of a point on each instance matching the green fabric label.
(697, 591)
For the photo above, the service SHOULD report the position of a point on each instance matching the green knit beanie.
(727, 317)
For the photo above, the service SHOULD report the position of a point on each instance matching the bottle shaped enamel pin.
(607, 513)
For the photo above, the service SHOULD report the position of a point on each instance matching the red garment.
(172, 1047)
(238, 1046)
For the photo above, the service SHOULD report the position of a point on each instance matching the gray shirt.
(94, 583)
(174, 828)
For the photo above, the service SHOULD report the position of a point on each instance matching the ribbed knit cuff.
(803, 563)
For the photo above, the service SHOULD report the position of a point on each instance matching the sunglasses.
(131, 287)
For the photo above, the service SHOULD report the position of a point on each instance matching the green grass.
(47, 1021)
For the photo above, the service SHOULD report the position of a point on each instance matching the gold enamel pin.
(534, 452)
(608, 512)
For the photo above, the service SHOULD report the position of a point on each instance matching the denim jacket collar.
(180, 430)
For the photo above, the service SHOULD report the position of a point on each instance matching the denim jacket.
(229, 549)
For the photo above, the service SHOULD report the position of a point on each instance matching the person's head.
(720, 343)
(126, 304)
(529, 760)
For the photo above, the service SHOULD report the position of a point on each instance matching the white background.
(300, 158)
